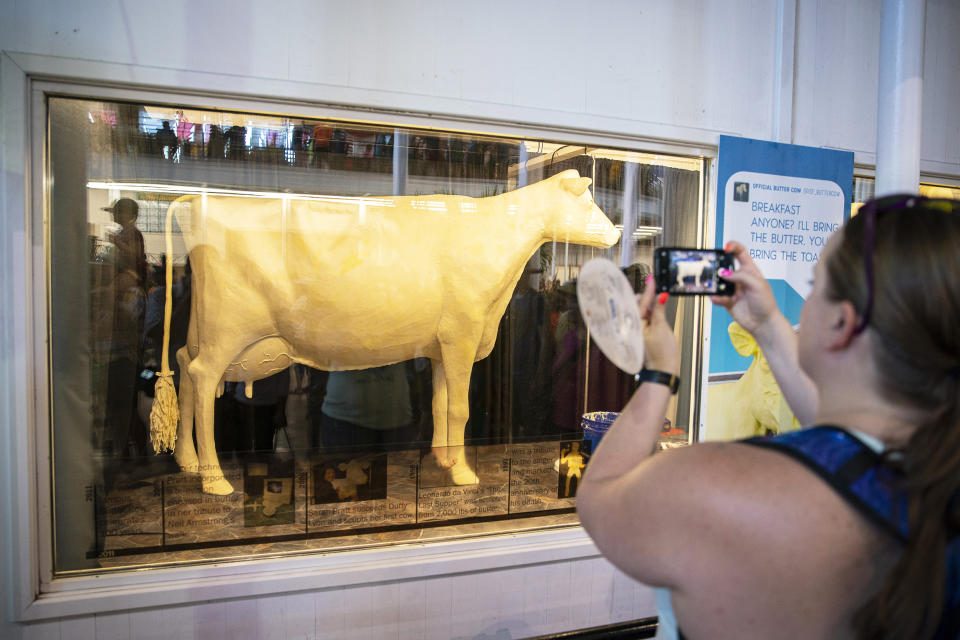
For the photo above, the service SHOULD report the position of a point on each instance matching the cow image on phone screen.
(687, 271)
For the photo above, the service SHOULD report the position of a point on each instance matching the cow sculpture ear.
(576, 186)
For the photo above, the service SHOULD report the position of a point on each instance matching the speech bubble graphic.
(783, 221)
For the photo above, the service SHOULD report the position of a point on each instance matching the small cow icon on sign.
(741, 192)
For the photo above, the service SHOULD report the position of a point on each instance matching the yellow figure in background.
(575, 465)
(752, 405)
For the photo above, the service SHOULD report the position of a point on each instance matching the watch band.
(660, 377)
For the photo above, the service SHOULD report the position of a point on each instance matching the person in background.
(368, 408)
(216, 146)
(236, 143)
(129, 283)
(266, 409)
(167, 141)
(847, 529)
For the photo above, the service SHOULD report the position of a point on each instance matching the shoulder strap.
(852, 469)
(868, 483)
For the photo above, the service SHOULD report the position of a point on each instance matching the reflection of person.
(575, 464)
(236, 142)
(568, 338)
(851, 533)
(368, 407)
(572, 367)
(167, 141)
(266, 404)
(153, 321)
(130, 257)
(129, 280)
(216, 146)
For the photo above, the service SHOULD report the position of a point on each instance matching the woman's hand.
(661, 351)
(752, 304)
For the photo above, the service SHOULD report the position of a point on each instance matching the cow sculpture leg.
(206, 378)
(441, 452)
(451, 382)
(439, 406)
(184, 453)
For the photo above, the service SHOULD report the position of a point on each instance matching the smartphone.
(683, 271)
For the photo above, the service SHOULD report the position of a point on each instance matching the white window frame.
(26, 80)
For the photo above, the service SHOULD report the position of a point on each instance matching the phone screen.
(692, 272)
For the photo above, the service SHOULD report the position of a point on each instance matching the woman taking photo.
(846, 529)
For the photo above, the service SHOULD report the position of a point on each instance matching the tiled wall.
(495, 605)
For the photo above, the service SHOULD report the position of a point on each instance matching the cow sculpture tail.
(165, 413)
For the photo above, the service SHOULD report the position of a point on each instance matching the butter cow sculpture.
(340, 283)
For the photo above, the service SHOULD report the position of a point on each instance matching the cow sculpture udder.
(340, 283)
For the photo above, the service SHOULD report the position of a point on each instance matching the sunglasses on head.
(873, 209)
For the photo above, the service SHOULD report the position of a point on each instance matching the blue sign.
(782, 201)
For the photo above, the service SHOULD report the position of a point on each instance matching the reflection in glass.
(316, 458)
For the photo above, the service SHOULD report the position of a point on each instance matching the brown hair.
(916, 337)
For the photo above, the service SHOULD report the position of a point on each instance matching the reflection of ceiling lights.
(183, 189)
(642, 231)
(545, 152)
(675, 162)
(220, 118)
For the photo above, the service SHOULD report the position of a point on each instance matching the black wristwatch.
(660, 377)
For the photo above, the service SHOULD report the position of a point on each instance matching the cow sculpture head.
(573, 217)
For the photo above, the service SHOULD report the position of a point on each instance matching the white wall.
(691, 69)
(509, 603)
(800, 71)
(685, 70)
(837, 80)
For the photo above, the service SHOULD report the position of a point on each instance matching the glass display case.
(372, 330)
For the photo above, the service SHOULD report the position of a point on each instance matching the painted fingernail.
(649, 278)
(726, 247)
(662, 298)
(725, 272)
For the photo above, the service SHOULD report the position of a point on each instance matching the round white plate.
(609, 309)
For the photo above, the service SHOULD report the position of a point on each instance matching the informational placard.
(287, 499)
(783, 202)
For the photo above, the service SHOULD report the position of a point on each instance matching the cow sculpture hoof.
(453, 460)
(217, 486)
(461, 473)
